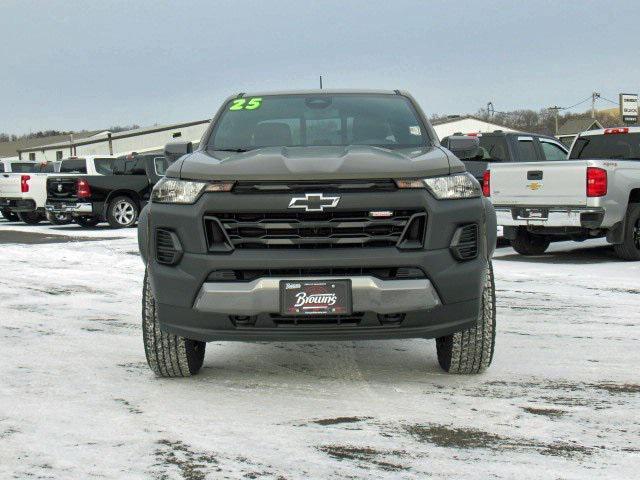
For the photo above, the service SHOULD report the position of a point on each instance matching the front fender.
(143, 234)
(491, 224)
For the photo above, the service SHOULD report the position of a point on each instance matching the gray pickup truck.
(318, 215)
(594, 193)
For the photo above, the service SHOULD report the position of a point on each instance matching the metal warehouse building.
(106, 143)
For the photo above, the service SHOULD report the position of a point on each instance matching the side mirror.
(175, 150)
(462, 146)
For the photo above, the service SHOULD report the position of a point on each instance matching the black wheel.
(59, 218)
(30, 218)
(527, 243)
(168, 355)
(629, 249)
(87, 222)
(122, 212)
(10, 216)
(471, 351)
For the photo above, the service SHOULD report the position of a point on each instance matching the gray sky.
(74, 65)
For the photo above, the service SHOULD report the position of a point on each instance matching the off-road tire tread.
(627, 249)
(168, 355)
(471, 351)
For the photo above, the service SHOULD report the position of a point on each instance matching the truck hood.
(315, 163)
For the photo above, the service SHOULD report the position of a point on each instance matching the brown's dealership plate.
(315, 297)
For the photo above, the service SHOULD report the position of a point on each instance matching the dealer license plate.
(315, 297)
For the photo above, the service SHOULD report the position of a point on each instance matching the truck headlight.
(173, 190)
(449, 187)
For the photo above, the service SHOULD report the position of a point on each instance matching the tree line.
(540, 121)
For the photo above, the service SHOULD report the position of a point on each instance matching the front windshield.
(623, 146)
(381, 120)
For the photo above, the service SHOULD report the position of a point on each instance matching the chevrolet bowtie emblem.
(314, 202)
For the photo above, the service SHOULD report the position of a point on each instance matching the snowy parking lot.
(77, 400)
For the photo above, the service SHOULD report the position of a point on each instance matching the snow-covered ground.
(77, 401)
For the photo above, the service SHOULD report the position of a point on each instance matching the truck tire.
(527, 243)
(471, 351)
(629, 249)
(30, 218)
(122, 212)
(59, 218)
(168, 355)
(87, 222)
(9, 215)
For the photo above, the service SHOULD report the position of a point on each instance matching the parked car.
(594, 193)
(9, 180)
(117, 193)
(318, 216)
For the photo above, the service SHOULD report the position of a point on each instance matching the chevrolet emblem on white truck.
(314, 202)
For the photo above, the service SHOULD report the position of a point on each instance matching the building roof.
(457, 118)
(102, 136)
(573, 126)
(10, 149)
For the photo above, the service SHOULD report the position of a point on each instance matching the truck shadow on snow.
(578, 256)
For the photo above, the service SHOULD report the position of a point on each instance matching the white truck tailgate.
(539, 183)
(10, 184)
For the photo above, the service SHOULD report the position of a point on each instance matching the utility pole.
(320, 82)
(490, 110)
(594, 97)
(556, 109)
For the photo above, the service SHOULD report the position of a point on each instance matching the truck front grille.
(383, 273)
(303, 186)
(312, 230)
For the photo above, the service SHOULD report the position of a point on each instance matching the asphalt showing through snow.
(77, 400)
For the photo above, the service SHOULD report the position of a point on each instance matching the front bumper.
(368, 294)
(557, 217)
(190, 304)
(18, 204)
(61, 207)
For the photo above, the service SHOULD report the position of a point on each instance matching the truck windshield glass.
(623, 146)
(73, 166)
(249, 123)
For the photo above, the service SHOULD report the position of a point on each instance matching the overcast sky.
(89, 65)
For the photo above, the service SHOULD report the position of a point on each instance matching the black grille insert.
(168, 248)
(383, 273)
(317, 320)
(465, 242)
(376, 185)
(337, 229)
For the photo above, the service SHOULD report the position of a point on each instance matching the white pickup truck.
(594, 193)
(24, 194)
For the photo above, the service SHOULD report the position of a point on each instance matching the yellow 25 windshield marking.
(244, 104)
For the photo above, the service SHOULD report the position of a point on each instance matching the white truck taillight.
(24, 183)
(596, 182)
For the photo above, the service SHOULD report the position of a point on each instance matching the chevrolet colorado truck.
(318, 215)
(594, 193)
(115, 193)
